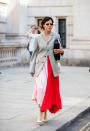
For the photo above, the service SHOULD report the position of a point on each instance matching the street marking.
(88, 129)
(82, 129)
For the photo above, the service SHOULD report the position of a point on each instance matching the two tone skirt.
(46, 91)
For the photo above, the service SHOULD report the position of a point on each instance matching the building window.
(62, 31)
(39, 25)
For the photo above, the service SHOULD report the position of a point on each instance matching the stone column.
(17, 19)
(82, 19)
(81, 34)
(17, 27)
(3, 16)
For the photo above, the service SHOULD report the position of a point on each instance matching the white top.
(31, 41)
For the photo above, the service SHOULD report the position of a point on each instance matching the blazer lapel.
(50, 37)
(44, 37)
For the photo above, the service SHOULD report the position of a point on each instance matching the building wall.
(13, 25)
(80, 45)
(17, 16)
(3, 15)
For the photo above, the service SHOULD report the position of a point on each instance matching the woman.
(44, 66)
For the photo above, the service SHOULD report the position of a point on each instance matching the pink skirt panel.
(40, 85)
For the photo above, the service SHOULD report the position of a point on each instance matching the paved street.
(19, 113)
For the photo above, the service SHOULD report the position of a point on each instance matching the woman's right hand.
(32, 74)
(27, 34)
(58, 51)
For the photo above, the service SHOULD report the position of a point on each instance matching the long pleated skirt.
(46, 91)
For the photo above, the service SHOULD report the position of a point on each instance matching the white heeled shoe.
(39, 119)
(44, 116)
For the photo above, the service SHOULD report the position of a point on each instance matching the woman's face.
(48, 26)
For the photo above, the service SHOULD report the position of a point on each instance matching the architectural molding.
(81, 39)
(3, 3)
(3, 22)
(42, 6)
(14, 35)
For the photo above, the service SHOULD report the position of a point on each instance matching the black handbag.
(57, 45)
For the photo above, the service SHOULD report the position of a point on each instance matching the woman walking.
(44, 66)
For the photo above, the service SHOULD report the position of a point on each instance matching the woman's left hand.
(58, 51)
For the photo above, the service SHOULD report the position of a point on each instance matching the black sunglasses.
(49, 24)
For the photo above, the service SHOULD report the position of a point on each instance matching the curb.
(66, 125)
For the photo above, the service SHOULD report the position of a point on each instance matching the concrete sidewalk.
(19, 113)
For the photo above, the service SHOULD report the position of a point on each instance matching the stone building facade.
(71, 21)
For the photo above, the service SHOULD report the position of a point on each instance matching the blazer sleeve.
(58, 36)
(34, 55)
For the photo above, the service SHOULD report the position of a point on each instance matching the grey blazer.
(41, 49)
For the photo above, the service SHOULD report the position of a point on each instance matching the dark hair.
(45, 19)
(33, 26)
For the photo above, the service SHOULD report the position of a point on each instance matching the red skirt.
(52, 99)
